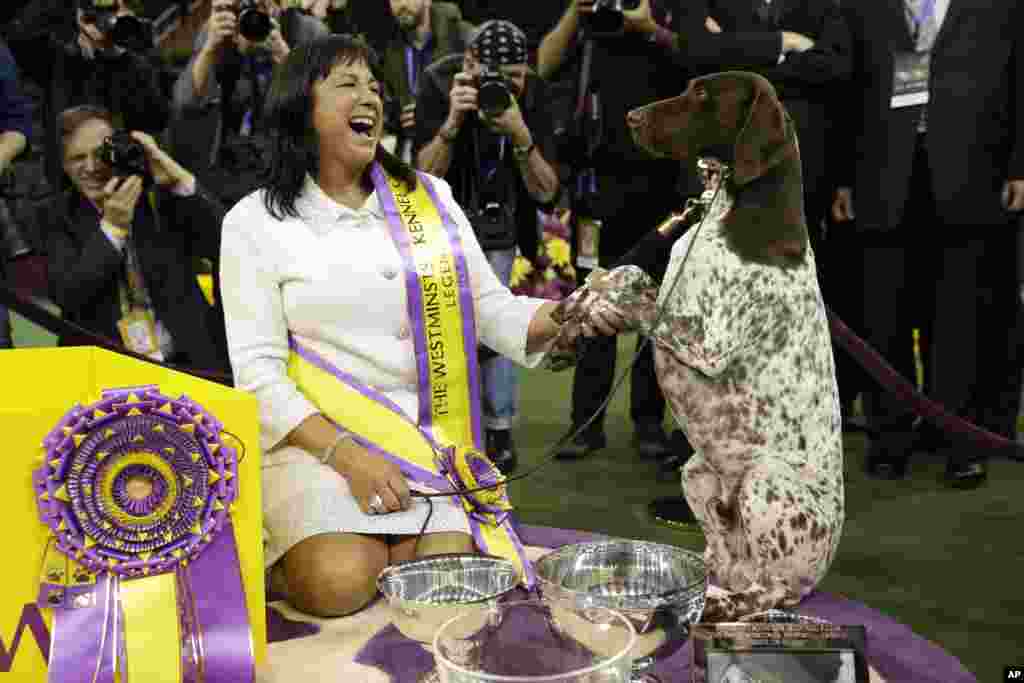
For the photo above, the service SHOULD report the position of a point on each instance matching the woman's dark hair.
(288, 118)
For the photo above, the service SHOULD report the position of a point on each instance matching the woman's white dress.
(334, 280)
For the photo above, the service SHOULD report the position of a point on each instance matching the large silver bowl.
(659, 588)
(423, 594)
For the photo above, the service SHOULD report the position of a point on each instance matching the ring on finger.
(376, 504)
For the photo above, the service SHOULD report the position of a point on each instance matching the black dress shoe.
(889, 454)
(965, 472)
(650, 440)
(501, 450)
(675, 512)
(586, 443)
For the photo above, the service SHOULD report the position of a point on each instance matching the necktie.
(924, 26)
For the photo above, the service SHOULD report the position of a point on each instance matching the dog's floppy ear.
(761, 143)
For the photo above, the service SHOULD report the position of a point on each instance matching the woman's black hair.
(288, 119)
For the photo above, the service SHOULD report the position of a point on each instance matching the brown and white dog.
(742, 348)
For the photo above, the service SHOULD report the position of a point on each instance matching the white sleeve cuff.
(282, 413)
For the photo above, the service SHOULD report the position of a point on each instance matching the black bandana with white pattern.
(499, 43)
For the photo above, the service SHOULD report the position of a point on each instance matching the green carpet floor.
(948, 563)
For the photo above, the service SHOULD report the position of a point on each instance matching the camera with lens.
(127, 31)
(492, 216)
(253, 22)
(124, 155)
(607, 19)
(493, 93)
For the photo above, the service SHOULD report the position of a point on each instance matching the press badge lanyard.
(138, 321)
(919, 20)
(414, 61)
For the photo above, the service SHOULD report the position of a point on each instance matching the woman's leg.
(406, 548)
(331, 575)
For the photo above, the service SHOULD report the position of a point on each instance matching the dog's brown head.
(736, 109)
(737, 112)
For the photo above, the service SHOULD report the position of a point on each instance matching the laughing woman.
(354, 294)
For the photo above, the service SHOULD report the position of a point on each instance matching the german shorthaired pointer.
(743, 351)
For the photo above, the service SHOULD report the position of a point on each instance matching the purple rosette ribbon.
(133, 486)
(467, 470)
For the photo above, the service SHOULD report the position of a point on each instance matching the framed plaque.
(779, 648)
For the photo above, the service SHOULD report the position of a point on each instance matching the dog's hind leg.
(781, 546)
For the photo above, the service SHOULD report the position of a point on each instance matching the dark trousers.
(640, 201)
(928, 274)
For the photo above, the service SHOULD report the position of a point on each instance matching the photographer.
(641, 52)
(219, 96)
(481, 124)
(15, 129)
(122, 242)
(426, 32)
(105, 61)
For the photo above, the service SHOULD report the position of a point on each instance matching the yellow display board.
(40, 386)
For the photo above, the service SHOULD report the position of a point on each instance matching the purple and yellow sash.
(142, 571)
(443, 447)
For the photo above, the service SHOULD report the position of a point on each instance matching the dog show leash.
(713, 176)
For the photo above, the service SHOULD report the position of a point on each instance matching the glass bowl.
(534, 641)
(425, 593)
(660, 588)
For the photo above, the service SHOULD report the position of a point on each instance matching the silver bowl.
(425, 593)
(659, 588)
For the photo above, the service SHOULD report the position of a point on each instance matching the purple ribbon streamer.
(83, 640)
(222, 617)
(414, 298)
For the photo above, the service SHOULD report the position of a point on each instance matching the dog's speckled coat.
(744, 357)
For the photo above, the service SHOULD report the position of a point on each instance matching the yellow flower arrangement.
(558, 252)
(521, 270)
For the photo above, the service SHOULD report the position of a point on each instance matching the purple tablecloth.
(898, 654)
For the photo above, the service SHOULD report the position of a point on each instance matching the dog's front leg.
(625, 293)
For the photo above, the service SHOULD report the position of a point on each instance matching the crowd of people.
(265, 160)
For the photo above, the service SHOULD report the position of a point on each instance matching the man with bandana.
(427, 32)
(496, 159)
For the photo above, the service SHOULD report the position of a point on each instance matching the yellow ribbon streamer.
(152, 638)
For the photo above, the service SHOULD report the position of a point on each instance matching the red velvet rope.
(867, 357)
(893, 382)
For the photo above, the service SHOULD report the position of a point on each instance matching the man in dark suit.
(122, 255)
(933, 172)
(807, 83)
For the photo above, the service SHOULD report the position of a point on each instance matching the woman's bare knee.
(445, 542)
(331, 575)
